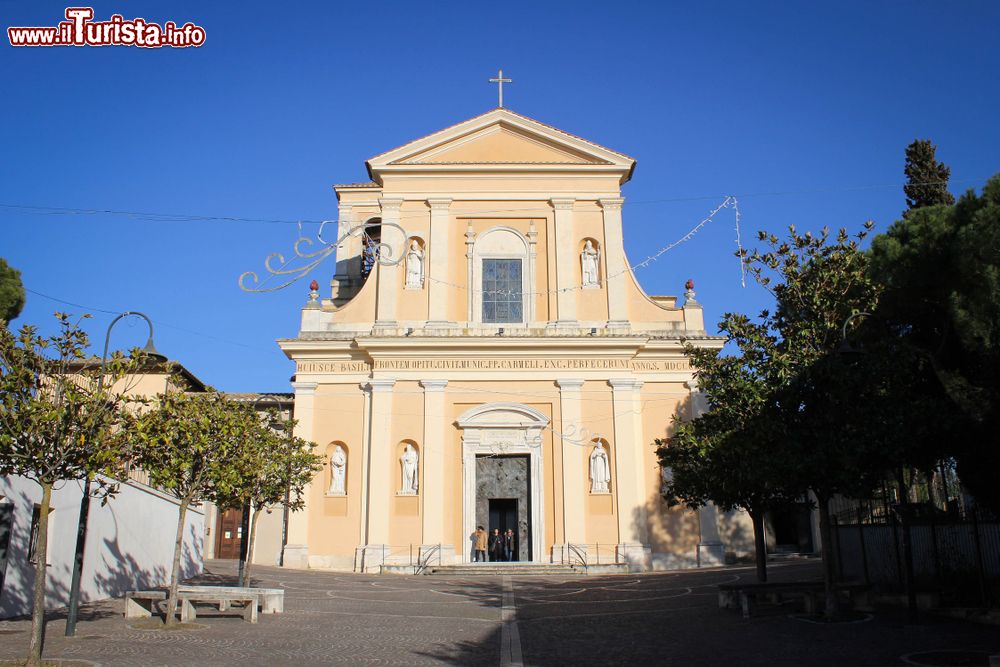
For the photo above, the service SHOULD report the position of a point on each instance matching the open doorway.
(503, 517)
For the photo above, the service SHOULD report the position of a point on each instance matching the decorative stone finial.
(689, 292)
(313, 295)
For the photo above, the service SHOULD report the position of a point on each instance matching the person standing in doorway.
(479, 537)
(508, 545)
(496, 545)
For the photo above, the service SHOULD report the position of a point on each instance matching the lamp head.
(151, 353)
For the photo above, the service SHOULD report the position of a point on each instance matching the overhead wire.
(200, 217)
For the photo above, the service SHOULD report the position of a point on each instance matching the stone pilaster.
(470, 244)
(565, 262)
(345, 258)
(614, 254)
(574, 479)
(379, 481)
(437, 310)
(711, 551)
(433, 550)
(296, 551)
(630, 474)
(390, 280)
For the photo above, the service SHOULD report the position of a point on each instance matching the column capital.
(378, 385)
(569, 384)
(611, 203)
(390, 203)
(433, 385)
(619, 384)
(563, 203)
(439, 203)
(692, 384)
(304, 388)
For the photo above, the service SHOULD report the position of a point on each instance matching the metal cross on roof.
(499, 80)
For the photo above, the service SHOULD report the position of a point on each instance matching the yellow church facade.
(486, 357)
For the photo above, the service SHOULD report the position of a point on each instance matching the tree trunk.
(175, 569)
(38, 607)
(759, 545)
(826, 536)
(253, 538)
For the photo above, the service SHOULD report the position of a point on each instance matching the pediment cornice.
(520, 144)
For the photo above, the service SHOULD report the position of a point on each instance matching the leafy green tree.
(727, 455)
(11, 292)
(926, 178)
(941, 266)
(272, 464)
(818, 282)
(55, 424)
(190, 446)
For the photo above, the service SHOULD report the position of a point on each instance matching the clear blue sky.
(814, 101)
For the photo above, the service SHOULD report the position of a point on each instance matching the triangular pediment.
(500, 140)
(501, 144)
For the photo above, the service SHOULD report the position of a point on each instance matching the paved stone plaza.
(663, 619)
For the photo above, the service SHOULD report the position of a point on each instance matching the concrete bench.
(139, 604)
(250, 602)
(743, 596)
(272, 600)
(860, 595)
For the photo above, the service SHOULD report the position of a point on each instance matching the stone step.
(513, 569)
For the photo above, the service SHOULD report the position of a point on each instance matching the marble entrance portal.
(502, 459)
(503, 498)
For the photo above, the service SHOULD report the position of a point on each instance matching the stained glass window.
(502, 297)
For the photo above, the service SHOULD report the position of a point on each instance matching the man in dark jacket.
(496, 545)
(508, 545)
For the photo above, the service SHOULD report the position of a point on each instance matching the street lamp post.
(81, 532)
(247, 507)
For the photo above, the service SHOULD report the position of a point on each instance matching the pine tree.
(926, 178)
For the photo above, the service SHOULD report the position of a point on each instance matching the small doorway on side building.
(503, 516)
(790, 529)
(228, 534)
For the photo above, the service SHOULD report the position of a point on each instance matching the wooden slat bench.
(272, 600)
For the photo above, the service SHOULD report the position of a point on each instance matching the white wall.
(130, 543)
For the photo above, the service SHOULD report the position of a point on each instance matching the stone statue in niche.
(589, 263)
(414, 266)
(338, 472)
(409, 461)
(600, 470)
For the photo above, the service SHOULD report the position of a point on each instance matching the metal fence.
(955, 554)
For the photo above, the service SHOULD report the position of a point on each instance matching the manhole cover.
(956, 658)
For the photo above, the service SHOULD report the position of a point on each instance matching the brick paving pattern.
(652, 619)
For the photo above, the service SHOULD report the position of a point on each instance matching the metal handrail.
(426, 562)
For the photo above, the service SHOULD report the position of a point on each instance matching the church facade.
(486, 357)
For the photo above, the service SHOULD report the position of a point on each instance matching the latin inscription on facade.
(648, 366)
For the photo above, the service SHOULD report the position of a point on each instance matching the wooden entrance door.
(228, 533)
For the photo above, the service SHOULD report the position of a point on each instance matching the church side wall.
(130, 543)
